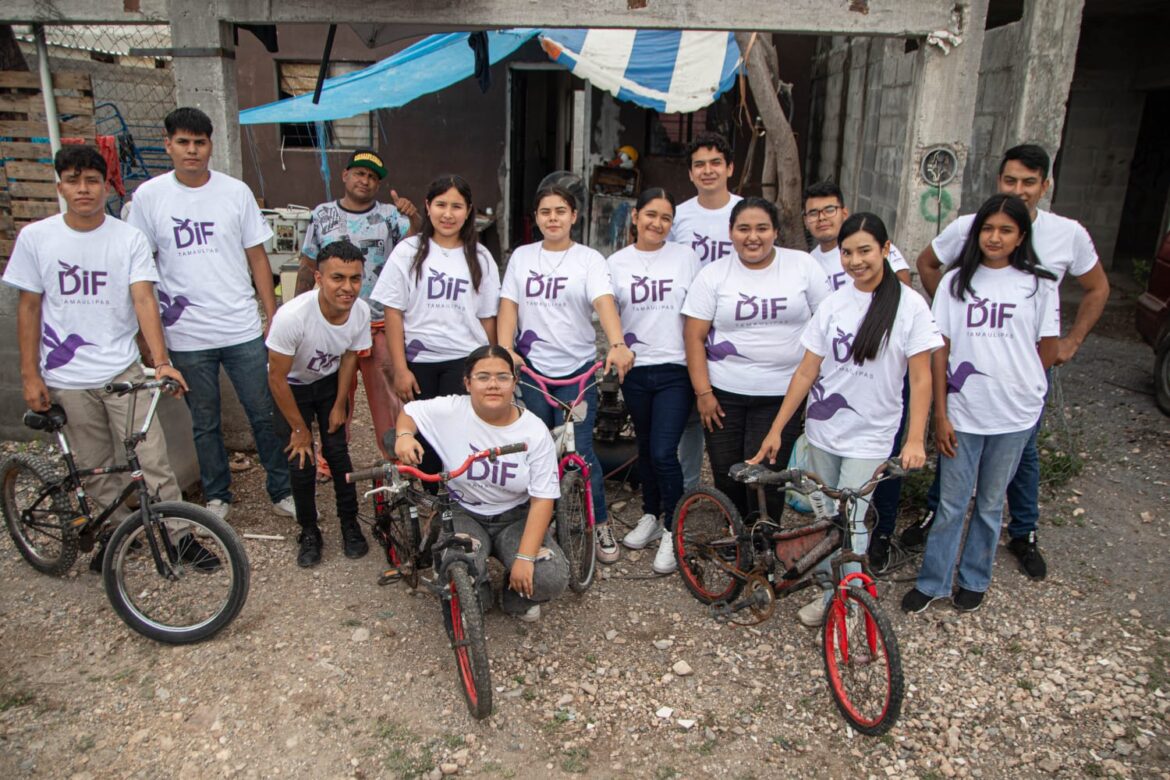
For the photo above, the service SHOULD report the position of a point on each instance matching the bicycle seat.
(52, 421)
(758, 473)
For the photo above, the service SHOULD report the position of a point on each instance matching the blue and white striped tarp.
(666, 70)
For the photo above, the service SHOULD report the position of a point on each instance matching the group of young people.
(723, 342)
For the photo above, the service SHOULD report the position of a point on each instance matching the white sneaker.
(285, 506)
(812, 614)
(664, 562)
(219, 508)
(648, 529)
(607, 549)
(530, 615)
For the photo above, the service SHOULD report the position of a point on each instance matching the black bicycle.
(173, 571)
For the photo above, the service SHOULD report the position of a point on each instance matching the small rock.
(610, 635)
(589, 688)
(682, 669)
(565, 700)
(449, 768)
(663, 644)
(664, 712)
(360, 635)
(1049, 765)
(686, 724)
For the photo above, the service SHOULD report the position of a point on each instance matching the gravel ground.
(326, 674)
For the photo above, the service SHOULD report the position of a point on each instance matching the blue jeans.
(987, 464)
(887, 495)
(535, 402)
(690, 449)
(247, 367)
(660, 400)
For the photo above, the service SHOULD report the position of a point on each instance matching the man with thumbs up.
(374, 228)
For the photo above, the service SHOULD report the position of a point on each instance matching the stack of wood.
(28, 189)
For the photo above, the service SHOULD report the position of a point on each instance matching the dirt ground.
(325, 674)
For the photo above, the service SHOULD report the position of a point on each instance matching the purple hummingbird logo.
(525, 342)
(172, 308)
(414, 347)
(843, 346)
(823, 408)
(631, 339)
(718, 350)
(957, 378)
(61, 351)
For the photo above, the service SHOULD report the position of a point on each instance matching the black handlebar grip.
(363, 475)
(508, 449)
(119, 387)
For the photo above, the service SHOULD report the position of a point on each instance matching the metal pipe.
(49, 98)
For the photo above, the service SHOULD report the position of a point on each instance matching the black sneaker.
(195, 554)
(915, 601)
(967, 600)
(914, 537)
(1031, 561)
(310, 552)
(353, 540)
(879, 553)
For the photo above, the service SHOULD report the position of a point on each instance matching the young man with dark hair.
(86, 285)
(824, 213)
(1062, 246)
(374, 228)
(313, 346)
(208, 235)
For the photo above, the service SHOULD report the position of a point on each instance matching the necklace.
(541, 264)
(646, 258)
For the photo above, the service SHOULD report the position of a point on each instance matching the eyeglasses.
(484, 377)
(827, 211)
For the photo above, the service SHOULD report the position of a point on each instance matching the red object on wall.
(107, 145)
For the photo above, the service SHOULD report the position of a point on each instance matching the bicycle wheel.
(463, 618)
(573, 532)
(206, 580)
(39, 513)
(396, 528)
(707, 531)
(862, 662)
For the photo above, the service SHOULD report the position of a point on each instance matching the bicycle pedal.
(389, 576)
(720, 611)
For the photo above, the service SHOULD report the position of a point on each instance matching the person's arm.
(151, 330)
(694, 335)
(300, 441)
(489, 328)
(930, 270)
(408, 210)
(262, 279)
(619, 356)
(406, 446)
(28, 335)
(1048, 348)
(404, 384)
(802, 380)
(944, 432)
(903, 276)
(506, 328)
(345, 373)
(306, 275)
(540, 511)
(914, 447)
(1096, 287)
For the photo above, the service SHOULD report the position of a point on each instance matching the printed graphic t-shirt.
(199, 235)
(455, 431)
(555, 292)
(88, 322)
(650, 288)
(316, 345)
(831, 262)
(706, 231)
(756, 319)
(995, 381)
(853, 411)
(441, 310)
(375, 231)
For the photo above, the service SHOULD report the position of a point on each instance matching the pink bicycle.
(574, 518)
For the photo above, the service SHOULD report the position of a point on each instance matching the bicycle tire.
(197, 601)
(397, 531)
(574, 535)
(861, 662)
(39, 513)
(705, 515)
(463, 619)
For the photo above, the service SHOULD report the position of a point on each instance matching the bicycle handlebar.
(759, 474)
(544, 383)
(489, 454)
(122, 388)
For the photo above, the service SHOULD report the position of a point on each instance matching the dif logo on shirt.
(73, 280)
(644, 289)
(442, 286)
(753, 307)
(537, 286)
(843, 346)
(497, 473)
(985, 313)
(189, 233)
(708, 249)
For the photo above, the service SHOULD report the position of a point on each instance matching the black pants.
(746, 421)
(315, 401)
(434, 380)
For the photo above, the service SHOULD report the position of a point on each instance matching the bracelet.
(404, 433)
(522, 557)
(705, 392)
(163, 364)
(617, 344)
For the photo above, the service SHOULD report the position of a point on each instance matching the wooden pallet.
(28, 189)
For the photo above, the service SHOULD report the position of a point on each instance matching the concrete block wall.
(995, 102)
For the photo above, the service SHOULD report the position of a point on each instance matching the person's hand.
(1066, 350)
(405, 385)
(520, 577)
(338, 415)
(769, 448)
(517, 358)
(944, 436)
(620, 358)
(300, 447)
(404, 206)
(408, 450)
(710, 412)
(913, 455)
(36, 394)
(170, 372)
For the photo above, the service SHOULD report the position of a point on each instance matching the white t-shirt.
(316, 345)
(650, 288)
(88, 322)
(555, 292)
(199, 235)
(453, 428)
(831, 262)
(441, 311)
(374, 231)
(853, 411)
(756, 319)
(995, 381)
(706, 231)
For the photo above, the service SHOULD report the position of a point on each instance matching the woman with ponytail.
(858, 346)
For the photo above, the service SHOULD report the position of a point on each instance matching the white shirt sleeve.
(941, 307)
(542, 465)
(948, 244)
(898, 260)
(139, 217)
(22, 271)
(362, 338)
(285, 333)
(814, 338)
(254, 229)
(820, 286)
(142, 265)
(488, 301)
(702, 299)
(1048, 311)
(510, 287)
(1084, 253)
(922, 335)
(312, 243)
(598, 281)
(394, 281)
